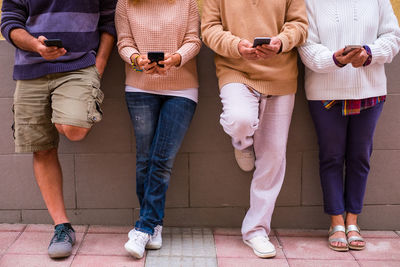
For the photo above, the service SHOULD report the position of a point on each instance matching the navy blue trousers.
(345, 148)
(160, 124)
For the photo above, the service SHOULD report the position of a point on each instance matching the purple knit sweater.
(78, 23)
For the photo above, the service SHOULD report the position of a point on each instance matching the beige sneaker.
(245, 158)
(261, 246)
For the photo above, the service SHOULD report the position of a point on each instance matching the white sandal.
(332, 230)
(354, 228)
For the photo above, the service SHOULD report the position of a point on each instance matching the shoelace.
(140, 237)
(61, 234)
(157, 230)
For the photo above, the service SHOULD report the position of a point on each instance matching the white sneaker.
(261, 246)
(136, 243)
(245, 158)
(155, 241)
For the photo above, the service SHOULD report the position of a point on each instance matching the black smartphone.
(349, 48)
(53, 42)
(261, 40)
(156, 57)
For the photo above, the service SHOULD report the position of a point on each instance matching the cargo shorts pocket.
(95, 114)
(13, 124)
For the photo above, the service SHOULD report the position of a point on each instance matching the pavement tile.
(101, 229)
(13, 260)
(37, 243)
(6, 239)
(301, 233)
(186, 242)
(379, 263)
(398, 233)
(8, 227)
(50, 228)
(378, 249)
(104, 244)
(315, 248)
(323, 263)
(181, 261)
(240, 262)
(233, 247)
(106, 261)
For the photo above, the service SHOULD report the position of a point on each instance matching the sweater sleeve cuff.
(235, 48)
(108, 29)
(184, 51)
(7, 30)
(127, 52)
(285, 43)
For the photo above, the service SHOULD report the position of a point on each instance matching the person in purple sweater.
(57, 88)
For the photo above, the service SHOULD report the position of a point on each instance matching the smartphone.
(349, 48)
(156, 57)
(261, 40)
(53, 42)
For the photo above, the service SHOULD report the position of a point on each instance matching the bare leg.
(352, 219)
(337, 220)
(48, 175)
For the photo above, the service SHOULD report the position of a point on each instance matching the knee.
(73, 133)
(239, 122)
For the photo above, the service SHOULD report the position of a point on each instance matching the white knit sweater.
(337, 23)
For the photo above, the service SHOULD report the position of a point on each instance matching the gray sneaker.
(62, 241)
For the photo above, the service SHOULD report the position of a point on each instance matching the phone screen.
(156, 57)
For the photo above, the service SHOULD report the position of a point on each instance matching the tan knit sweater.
(226, 22)
(158, 25)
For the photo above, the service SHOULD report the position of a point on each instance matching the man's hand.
(247, 51)
(49, 53)
(346, 59)
(266, 51)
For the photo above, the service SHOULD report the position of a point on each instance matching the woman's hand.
(359, 59)
(143, 63)
(246, 50)
(266, 51)
(171, 60)
(346, 59)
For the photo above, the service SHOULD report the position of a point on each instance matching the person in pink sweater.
(161, 98)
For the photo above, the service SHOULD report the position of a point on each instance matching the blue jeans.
(160, 124)
(345, 148)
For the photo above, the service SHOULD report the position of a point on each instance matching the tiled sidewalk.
(26, 246)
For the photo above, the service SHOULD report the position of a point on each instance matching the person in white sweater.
(348, 44)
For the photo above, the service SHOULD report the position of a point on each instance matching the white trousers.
(254, 119)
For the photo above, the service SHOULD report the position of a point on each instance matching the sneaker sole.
(259, 254)
(133, 253)
(153, 246)
(60, 255)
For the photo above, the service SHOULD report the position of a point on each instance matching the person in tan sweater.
(161, 98)
(257, 88)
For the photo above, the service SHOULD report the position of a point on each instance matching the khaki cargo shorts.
(70, 98)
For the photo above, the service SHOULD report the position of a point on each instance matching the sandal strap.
(355, 238)
(351, 228)
(337, 228)
(340, 239)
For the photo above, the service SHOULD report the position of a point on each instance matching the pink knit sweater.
(158, 25)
